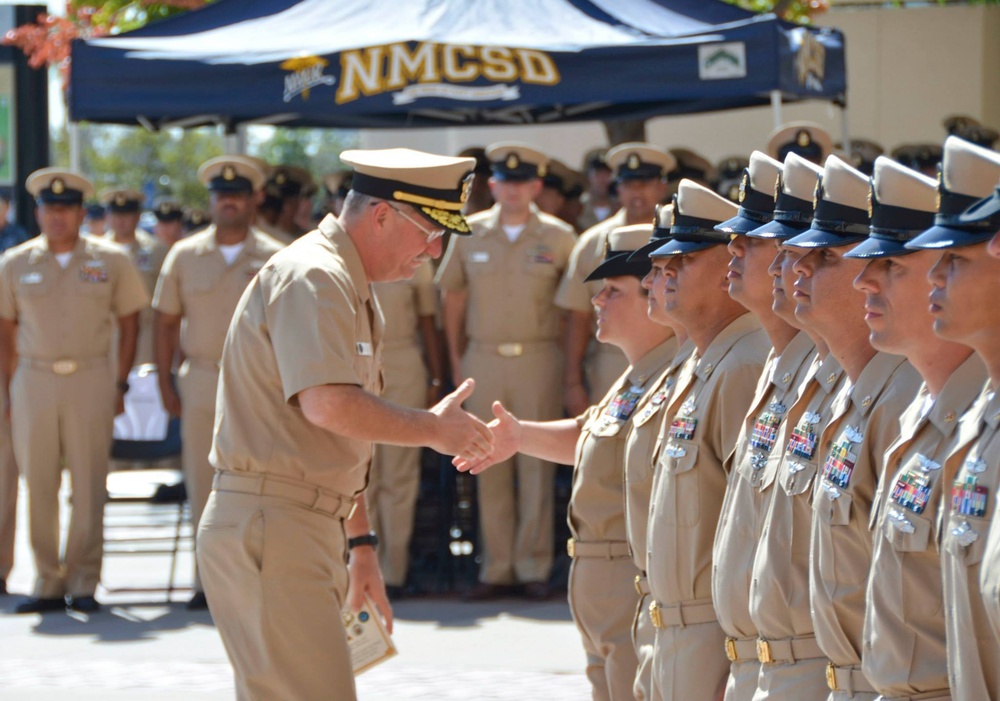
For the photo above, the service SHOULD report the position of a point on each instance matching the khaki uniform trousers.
(644, 640)
(8, 499)
(394, 478)
(690, 662)
(276, 581)
(743, 677)
(516, 497)
(602, 598)
(802, 679)
(57, 418)
(197, 382)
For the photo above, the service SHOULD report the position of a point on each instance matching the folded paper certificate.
(367, 638)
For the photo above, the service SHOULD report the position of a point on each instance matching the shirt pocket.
(681, 489)
(965, 538)
(920, 586)
(797, 476)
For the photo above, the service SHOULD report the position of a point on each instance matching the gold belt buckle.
(654, 614)
(638, 584)
(571, 547)
(510, 350)
(64, 367)
(731, 649)
(831, 677)
(764, 652)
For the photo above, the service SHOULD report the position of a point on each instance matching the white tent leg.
(845, 130)
(236, 144)
(776, 107)
(73, 131)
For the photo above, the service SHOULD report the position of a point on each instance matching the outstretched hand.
(507, 436)
(457, 431)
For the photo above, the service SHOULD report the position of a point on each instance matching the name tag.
(364, 349)
(31, 278)
(479, 257)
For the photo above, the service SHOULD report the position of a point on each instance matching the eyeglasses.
(431, 235)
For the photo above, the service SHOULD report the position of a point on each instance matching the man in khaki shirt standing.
(864, 421)
(200, 285)
(904, 635)
(58, 294)
(296, 417)
(964, 278)
(503, 330)
(640, 173)
(788, 366)
(697, 436)
(414, 375)
(146, 251)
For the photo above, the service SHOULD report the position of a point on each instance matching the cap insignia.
(737, 192)
(817, 193)
(58, 187)
(281, 178)
(450, 220)
(165, 208)
(543, 170)
(778, 184)
(871, 201)
(802, 138)
(120, 200)
(633, 162)
(228, 173)
(744, 184)
(512, 161)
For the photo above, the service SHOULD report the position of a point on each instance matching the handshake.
(476, 445)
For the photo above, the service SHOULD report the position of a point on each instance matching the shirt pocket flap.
(797, 476)
(832, 506)
(906, 531)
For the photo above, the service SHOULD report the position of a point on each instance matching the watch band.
(369, 539)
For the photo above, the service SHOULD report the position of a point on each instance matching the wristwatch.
(369, 539)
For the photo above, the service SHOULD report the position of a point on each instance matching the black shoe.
(33, 604)
(84, 604)
(484, 591)
(3, 587)
(395, 593)
(198, 602)
(536, 591)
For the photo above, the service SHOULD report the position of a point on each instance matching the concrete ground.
(142, 646)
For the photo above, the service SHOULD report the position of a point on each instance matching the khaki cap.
(558, 175)
(58, 185)
(166, 209)
(663, 219)
(690, 165)
(337, 183)
(231, 174)
(640, 161)
(511, 160)
(756, 195)
(621, 243)
(793, 204)
(697, 211)
(902, 204)
(808, 139)
(840, 208)
(437, 186)
(122, 200)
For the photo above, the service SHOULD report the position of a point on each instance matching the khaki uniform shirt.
(779, 574)
(640, 444)
(972, 474)
(697, 438)
(275, 232)
(746, 495)
(990, 570)
(402, 302)
(589, 217)
(67, 313)
(196, 283)
(904, 650)
(511, 286)
(147, 253)
(865, 422)
(596, 507)
(307, 319)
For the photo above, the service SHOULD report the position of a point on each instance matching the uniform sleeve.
(451, 274)
(573, 293)
(311, 319)
(167, 297)
(130, 293)
(8, 302)
(424, 290)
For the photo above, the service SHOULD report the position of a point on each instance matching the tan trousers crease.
(742, 684)
(644, 641)
(56, 420)
(516, 497)
(394, 478)
(602, 598)
(689, 663)
(197, 384)
(8, 499)
(276, 580)
(804, 679)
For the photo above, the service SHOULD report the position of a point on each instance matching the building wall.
(907, 69)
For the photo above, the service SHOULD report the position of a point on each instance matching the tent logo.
(307, 73)
(426, 70)
(722, 61)
(810, 61)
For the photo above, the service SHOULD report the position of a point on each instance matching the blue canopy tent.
(422, 63)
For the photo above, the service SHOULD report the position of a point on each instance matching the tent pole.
(74, 146)
(845, 129)
(776, 107)
(235, 142)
